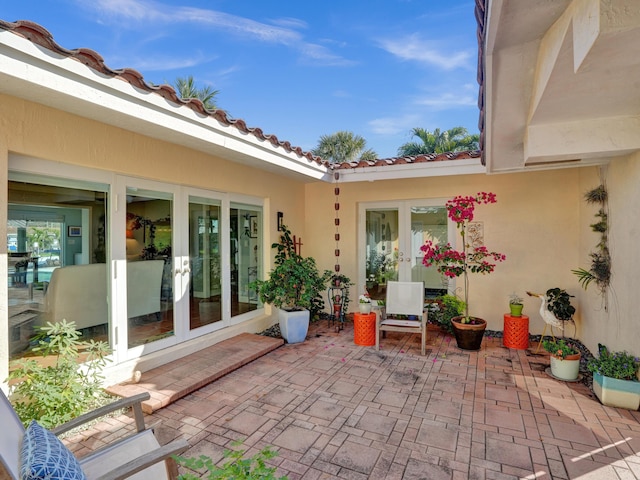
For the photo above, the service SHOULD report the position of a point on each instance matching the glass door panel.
(245, 249)
(149, 241)
(381, 249)
(205, 292)
(393, 234)
(427, 223)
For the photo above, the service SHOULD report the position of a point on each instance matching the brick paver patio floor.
(333, 409)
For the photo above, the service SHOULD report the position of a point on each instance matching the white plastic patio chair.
(137, 456)
(404, 299)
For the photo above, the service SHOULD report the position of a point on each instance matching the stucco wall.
(33, 130)
(534, 222)
(42, 132)
(615, 326)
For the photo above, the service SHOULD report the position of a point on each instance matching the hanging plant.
(600, 270)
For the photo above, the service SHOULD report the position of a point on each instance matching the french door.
(390, 236)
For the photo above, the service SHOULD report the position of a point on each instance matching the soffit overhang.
(560, 83)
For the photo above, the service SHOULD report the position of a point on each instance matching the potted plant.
(294, 287)
(615, 378)
(565, 359)
(515, 305)
(365, 303)
(452, 263)
(559, 303)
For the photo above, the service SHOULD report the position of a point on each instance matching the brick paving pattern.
(333, 409)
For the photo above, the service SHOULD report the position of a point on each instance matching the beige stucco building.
(129, 166)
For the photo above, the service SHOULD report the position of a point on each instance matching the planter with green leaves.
(295, 287)
(565, 359)
(515, 305)
(615, 378)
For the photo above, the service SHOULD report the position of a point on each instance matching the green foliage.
(444, 309)
(59, 392)
(455, 139)
(186, 88)
(600, 270)
(559, 303)
(343, 146)
(236, 467)
(515, 299)
(559, 347)
(620, 365)
(295, 283)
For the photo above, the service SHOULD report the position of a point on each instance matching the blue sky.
(297, 69)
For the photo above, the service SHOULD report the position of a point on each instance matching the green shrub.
(444, 309)
(235, 468)
(620, 365)
(57, 393)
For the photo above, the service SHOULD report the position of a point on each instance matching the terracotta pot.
(469, 335)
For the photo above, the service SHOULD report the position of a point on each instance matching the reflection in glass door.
(149, 266)
(381, 249)
(205, 292)
(393, 234)
(246, 256)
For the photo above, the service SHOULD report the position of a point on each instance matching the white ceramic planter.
(365, 308)
(617, 393)
(567, 368)
(294, 325)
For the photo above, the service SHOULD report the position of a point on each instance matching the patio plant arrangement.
(294, 287)
(565, 359)
(615, 378)
(452, 263)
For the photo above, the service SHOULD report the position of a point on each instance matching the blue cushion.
(44, 456)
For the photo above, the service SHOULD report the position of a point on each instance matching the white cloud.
(394, 125)
(152, 63)
(280, 32)
(445, 101)
(413, 48)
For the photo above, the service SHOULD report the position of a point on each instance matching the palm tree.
(343, 146)
(456, 139)
(186, 88)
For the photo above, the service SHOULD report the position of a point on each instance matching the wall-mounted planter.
(617, 393)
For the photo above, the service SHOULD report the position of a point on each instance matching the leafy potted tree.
(468, 330)
(294, 287)
(615, 378)
(565, 359)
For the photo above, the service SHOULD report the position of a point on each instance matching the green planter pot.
(617, 393)
(516, 309)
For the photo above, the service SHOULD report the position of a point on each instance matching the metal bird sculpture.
(548, 317)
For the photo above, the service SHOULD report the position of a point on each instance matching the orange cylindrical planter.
(516, 332)
(364, 329)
